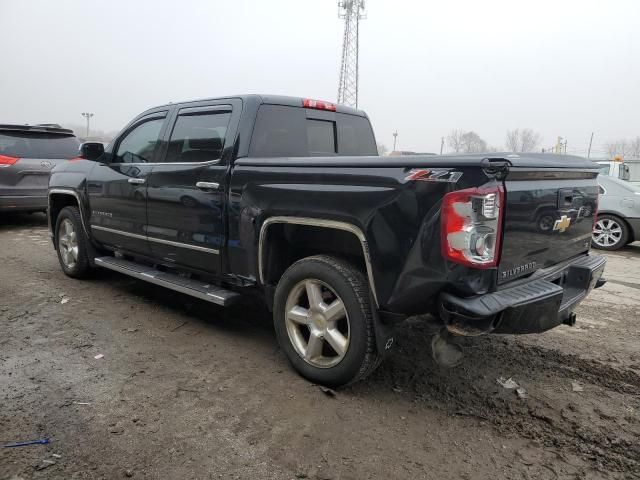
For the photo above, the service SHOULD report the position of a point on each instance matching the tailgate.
(28, 176)
(548, 218)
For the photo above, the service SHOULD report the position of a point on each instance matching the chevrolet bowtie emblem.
(562, 224)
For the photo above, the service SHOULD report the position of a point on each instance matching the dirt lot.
(188, 390)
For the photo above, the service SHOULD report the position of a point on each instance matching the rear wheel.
(324, 320)
(546, 221)
(72, 243)
(610, 233)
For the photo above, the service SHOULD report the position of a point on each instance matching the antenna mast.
(352, 11)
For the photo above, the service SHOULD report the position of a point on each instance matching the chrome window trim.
(186, 111)
(65, 191)
(211, 162)
(157, 240)
(204, 109)
(318, 222)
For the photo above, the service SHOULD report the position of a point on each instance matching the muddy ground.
(186, 390)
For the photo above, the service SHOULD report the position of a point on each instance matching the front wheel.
(72, 243)
(323, 319)
(609, 233)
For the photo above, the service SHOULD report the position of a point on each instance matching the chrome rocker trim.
(157, 240)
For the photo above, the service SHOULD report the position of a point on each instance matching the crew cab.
(286, 198)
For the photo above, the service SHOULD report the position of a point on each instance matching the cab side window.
(140, 143)
(198, 137)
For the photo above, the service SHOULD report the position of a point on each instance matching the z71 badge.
(425, 175)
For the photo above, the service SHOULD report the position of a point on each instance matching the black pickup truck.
(286, 198)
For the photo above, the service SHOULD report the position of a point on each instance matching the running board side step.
(195, 288)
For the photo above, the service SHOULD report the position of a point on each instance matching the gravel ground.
(189, 390)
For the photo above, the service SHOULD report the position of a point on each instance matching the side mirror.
(91, 150)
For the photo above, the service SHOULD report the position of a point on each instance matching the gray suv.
(27, 155)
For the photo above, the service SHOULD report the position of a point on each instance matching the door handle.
(207, 185)
(137, 181)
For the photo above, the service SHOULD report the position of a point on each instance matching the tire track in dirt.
(472, 390)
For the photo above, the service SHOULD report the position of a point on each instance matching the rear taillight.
(318, 105)
(6, 160)
(471, 222)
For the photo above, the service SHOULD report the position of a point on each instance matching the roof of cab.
(271, 100)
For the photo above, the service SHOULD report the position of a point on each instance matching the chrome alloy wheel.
(68, 243)
(317, 323)
(607, 232)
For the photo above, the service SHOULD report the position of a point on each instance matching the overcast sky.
(561, 67)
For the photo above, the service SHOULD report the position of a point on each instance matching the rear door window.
(279, 132)
(38, 145)
(198, 137)
(283, 131)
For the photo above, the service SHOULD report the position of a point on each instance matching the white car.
(618, 222)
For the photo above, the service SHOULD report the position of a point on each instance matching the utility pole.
(88, 116)
(559, 145)
(395, 137)
(441, 145)
(590, 142)
(352, 11)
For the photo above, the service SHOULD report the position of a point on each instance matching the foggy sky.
(561, 67)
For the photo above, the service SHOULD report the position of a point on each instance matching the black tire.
(621, 238)
(545, 222)
(82, 266)
(350, 285)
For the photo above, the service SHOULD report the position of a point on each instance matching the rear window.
(198, 137)
(321, 137)
(38, 145)
(605, 169)
(282, 131)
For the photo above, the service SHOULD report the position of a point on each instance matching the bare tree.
(472, 143)
(529, 140)
(382, 149)
(525, 140)
(513, 140)
(611, 148)
(634, 148)
(619, 147)
(454, 140)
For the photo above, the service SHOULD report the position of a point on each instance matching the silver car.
(27, 155)
(618, 222)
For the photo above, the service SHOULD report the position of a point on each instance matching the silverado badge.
(515, 271)
(562, 224)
